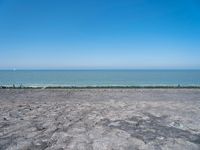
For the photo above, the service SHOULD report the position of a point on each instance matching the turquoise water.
(100, 77)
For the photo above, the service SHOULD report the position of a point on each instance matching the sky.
(100, 34)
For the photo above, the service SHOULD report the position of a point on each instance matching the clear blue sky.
(129, 34)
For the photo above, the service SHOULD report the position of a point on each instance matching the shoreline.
(103, 87)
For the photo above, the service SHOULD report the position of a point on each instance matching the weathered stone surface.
(100, 119)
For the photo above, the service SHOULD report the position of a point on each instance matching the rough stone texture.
(100, 119)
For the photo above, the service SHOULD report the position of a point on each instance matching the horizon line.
(92, 69)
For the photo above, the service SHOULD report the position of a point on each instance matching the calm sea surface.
(100, 77)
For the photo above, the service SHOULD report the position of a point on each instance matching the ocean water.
(100, 77)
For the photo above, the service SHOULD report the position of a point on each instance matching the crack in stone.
(153, 128)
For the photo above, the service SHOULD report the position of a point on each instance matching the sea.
(81, 78)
